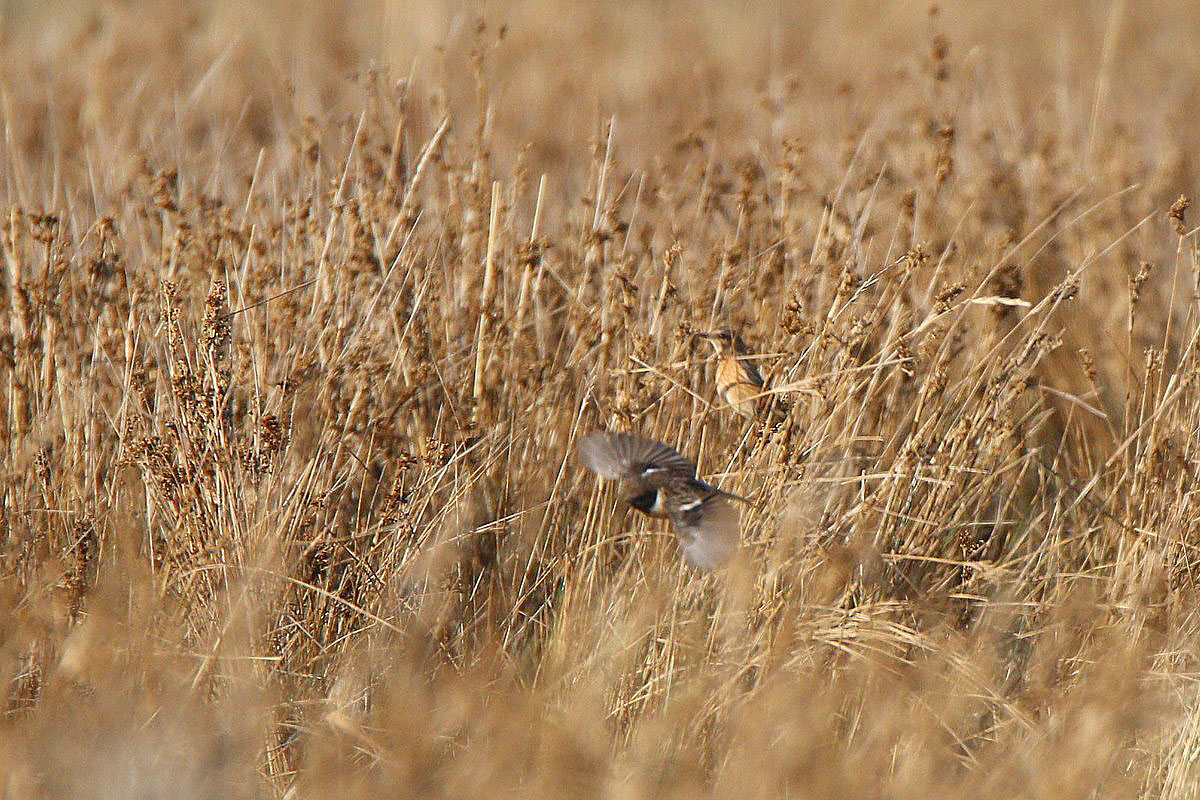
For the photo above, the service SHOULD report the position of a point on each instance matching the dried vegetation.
(305, 308)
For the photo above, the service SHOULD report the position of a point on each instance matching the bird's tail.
(745, 500)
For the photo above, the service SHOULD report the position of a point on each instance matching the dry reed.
(306, 306)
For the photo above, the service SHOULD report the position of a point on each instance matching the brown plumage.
(664, 484)
(739, 382)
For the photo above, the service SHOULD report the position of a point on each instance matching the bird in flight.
(739, 383)
(664, 484)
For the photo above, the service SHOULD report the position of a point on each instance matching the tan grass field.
(306, 306)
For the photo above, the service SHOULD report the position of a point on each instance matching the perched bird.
(739, 382)
(664, 484)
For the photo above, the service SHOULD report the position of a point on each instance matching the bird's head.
(723, 341)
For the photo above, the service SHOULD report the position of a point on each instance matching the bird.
(664, 484)
(739, 383)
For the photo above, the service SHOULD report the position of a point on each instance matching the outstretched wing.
(629, 457)
(708, 531)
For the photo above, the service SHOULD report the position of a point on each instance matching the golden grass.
(305, 308)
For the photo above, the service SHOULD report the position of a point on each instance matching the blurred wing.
(708, 533)
(623, 455)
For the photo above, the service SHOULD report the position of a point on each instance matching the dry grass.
(306, 308)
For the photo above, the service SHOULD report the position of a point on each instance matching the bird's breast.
(649, 502)
(728, 372)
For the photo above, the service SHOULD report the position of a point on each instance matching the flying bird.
(664, 484)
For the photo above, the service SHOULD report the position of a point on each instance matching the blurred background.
(547, 75)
